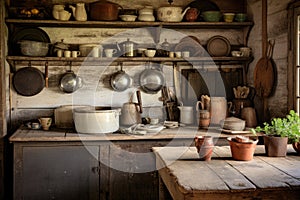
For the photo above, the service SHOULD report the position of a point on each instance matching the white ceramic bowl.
(234, 124)
(93, 121)
(150, 52)
(128, 18)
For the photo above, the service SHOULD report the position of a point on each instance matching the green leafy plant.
(282, 127)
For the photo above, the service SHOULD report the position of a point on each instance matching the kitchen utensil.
(87, 49)
(249, 115)
(28, 81)
(240, 17)
(96, 120)
(146, 14)
(233, 123)
(152, 80)
(34, 48)
(218, 46)
(70, 82)
(130, 113)
(228, 17)
(120, 81)
(264, 71)
(192, 14)
(104, 11)
(45, 122)
(79, 12)
(211, 16)
(150, 52)
(171, 13)
(186, 114)
(218, 109)
(203, 5)
(31, 34)
(128, 48)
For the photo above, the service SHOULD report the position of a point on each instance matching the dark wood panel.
(60, 173)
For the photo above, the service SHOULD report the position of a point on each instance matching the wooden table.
(186, 177)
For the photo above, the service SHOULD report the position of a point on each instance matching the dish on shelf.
(191, 44)
(202, 6)
(218, 46)
(235, 132)
(32, 34)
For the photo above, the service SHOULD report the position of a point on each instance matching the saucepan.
(120, 81)
(152, 80)
(70, 82)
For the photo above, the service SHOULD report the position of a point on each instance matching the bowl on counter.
(128, 18)
(96, 120)
(233, 123)
(150, 52)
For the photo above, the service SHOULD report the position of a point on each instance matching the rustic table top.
(24, 134)
(186, 177)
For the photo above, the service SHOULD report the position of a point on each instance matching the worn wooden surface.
(24, 134)
(264, 177)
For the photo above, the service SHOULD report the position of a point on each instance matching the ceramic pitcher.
(79, 12)
(218, 109)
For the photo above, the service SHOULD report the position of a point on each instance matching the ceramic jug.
(56, 9)
(186, 114)
(79, 12)
(192, 14)
(131, 112)
(218, 109)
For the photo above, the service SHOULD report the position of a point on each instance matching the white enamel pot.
(171, 13)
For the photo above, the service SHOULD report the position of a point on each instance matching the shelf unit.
(244, 61)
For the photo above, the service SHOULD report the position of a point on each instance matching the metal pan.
(28, 81)
(152, 80)
(70, 82)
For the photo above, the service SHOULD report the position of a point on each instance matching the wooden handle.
(264, 27)
(46, 75)
(138, 95)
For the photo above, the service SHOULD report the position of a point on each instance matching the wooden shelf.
(121, 24)
(95, 61)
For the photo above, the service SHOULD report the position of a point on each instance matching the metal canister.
(128, 48)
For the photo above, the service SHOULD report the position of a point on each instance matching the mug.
(45, 122)
(171, 54)
(95, 52)
(67, 54)
(75, 54)
(185, 54)
(109, 52)
(246, 51)
(178, 54)
(59, 53)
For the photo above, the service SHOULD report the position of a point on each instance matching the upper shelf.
(121, 24)
(95, 61)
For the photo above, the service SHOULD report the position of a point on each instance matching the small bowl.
(128, 18)
(240, 17)
(234, 124)
(228, 17)
(237, 53)
(211, 16)
(150, 52)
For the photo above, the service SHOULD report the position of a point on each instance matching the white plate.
(235, 132)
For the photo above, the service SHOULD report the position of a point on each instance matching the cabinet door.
(60, 172)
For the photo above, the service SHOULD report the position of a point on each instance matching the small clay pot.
(205, 146)
(242, 151)
(296, 146)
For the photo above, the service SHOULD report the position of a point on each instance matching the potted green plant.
(294, 135)
(278, 132)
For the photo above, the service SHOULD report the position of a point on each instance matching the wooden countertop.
(24, 134)
(186, 177)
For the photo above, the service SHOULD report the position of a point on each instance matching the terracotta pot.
(275, 146)
(296, 146)
(205, 146)
(242, 151)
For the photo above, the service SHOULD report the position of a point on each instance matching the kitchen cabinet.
(55, 172)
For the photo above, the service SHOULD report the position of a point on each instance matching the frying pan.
(28, 81)
(152, 80)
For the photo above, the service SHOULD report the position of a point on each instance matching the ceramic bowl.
(240, 17)
(128, 18)
(234, 124)
(150, 52)
(211, 16)
(228, 17)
